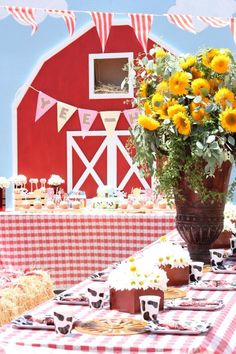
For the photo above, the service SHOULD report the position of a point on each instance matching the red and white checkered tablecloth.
(71, 247)
(221, 339)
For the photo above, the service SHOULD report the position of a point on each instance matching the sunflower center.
(231, 119)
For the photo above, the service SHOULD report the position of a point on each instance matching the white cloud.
(42, 4)
(217, 8)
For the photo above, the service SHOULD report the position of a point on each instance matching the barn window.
(107, 73)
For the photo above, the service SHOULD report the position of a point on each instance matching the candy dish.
(200, 304)
(72, 299)
(34, 322)
(178, 327)
(99, 276)
(213, 285)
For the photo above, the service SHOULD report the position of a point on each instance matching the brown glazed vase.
(200, 223)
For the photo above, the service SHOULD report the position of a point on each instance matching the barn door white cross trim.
(112, 145)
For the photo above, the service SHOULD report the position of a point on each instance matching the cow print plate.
(227, 269)
(72, 299)
(99, 276)
(34, 322)
(213, 285)
(178, 327)
(194, 304)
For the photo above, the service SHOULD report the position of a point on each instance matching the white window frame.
(92, 94)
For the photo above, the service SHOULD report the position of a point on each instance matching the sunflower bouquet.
(187, 120)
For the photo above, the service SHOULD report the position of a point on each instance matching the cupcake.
(26, 204)
(37, 204)
(63, 205)
(50, 205)
(76, 204)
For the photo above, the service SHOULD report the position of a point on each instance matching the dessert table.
(72, 246)
(220, 339)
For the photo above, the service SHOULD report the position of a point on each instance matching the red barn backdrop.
(42, 150)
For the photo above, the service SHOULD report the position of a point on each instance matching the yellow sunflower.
(148, 123)
(200, 87)
(214, 85)
(176, 108)
(143, 89)
(178, 83)
(196, 73)
(188, 62)
(199, 115)
(147, 108)
(157, 99)
(182, 123)
(208, 56)
(160, 53)
(163, 111)
(162, 87)
(223, 96)
(228, 120)
(220, 64)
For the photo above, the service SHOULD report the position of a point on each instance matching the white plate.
(194, 304)
(24, 322)
(72, 299)
(229, 269)
(179, 327)
(213, 285)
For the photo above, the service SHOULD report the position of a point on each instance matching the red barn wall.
(65, 77)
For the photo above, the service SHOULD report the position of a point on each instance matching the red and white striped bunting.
(103, 22)
(184, 22)
(23, 14)
(232, 26)
(142, 24)
(68, 17)
(213, 21)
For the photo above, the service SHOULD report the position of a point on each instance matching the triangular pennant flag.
(213, 21)
(232, 26)
(182, 21)
(131, 115)
(103, 22)
(142, 24)
(68, 16)
(24, 15)
(44, 103)
(110, 120)
(87, 117)
(64, 112)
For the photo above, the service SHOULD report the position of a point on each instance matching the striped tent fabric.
(24, 15)
(103, 22)
(182, 21)
(142, 24)
(213, 21)
(232, 26)
(68, 16)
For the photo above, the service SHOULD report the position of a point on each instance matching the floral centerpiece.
(171, 257)
(134, 278)
(4, 183)
(185, 134)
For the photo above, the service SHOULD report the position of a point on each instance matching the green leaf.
(197, 99)
(231, 140)
(210, 139)
(204, 91)
(199, 145)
